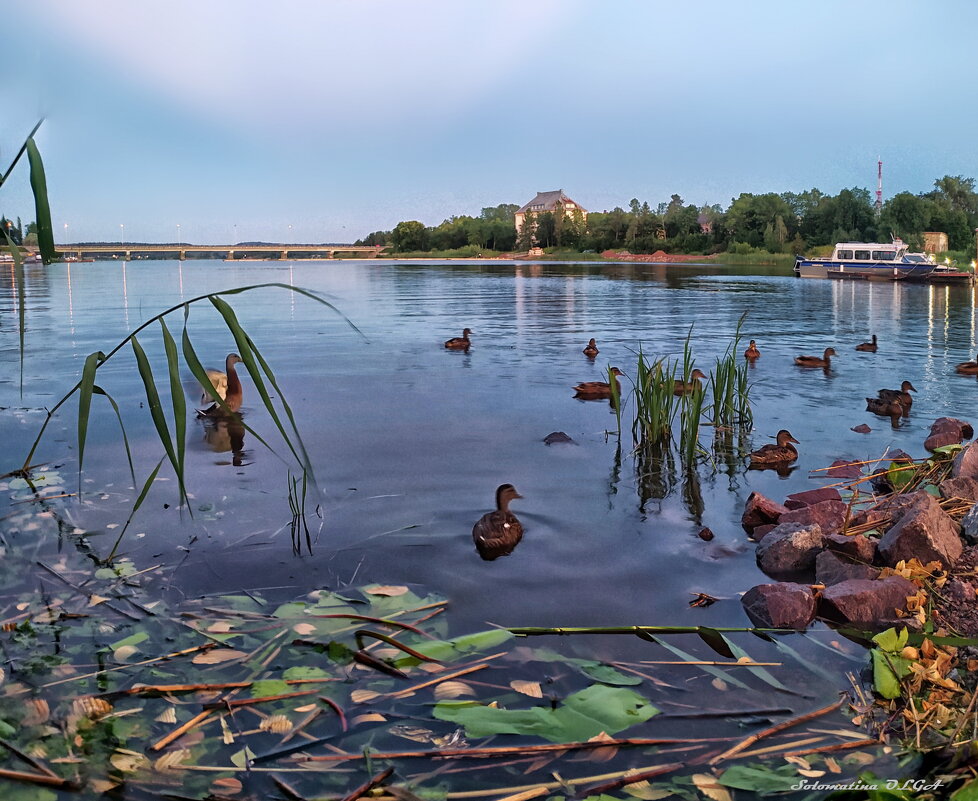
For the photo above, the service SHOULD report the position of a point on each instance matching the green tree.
(409, 235)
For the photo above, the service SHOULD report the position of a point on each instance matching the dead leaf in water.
(530, 688)
(216, 656)
(383, 589)
(226, 786)
(709, 786)
(452, 689)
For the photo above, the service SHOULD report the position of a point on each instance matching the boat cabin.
(869, 251)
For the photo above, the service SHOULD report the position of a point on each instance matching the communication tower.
(878, 206)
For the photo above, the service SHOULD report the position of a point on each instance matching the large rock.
(966, 488)
(926, 532)
(791, 548)
(781, 606)
(760, 532)
(797, 500)
(966, 463)
(948, 431)
(864, 602)
(833, 568)
(888, 511)
(830, 516)
(855, 546)
(969, 526)
(760, 511)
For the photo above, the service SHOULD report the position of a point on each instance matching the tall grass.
(730, 386)
(655, 403)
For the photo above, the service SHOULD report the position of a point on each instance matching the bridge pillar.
(128, 255)
(285, 255)
(183, 255)
(230, 255)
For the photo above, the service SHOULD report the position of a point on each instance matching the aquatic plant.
(730, 386)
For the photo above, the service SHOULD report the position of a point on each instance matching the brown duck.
(596, 390)
(591, 349)
(226, 385)
(967, 368)
(460, 343)
(902, 395)
(498, 532)
(884, 408)
(752, 352)
(685, 387)
(869, 347)
(815, 361)
(781, 454)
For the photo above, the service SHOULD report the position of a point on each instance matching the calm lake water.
(409, 440)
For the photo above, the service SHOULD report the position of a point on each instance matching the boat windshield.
(915, 258)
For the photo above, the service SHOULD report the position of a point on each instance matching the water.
(409, 441)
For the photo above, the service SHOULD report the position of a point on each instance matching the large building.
(547, 201)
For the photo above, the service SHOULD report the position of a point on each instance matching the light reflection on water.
(409, 440)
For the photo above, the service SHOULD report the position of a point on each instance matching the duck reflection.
(498, 533)
(226, 434)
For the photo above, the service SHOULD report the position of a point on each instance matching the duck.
(815, 361)
(869, 347)
(884, 407)
(596, 390)
(497, 533)
(685, 387)
(460, 343)
(752, 352)
(967, 368)
(591, 349)
(780, 454)
(902, 395)
(227, 385)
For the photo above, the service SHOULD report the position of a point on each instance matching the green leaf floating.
(759, 779)
(451, 650)
(582, 715)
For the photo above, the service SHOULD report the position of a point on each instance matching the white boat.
(886, 260)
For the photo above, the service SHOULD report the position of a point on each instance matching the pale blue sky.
(233, 117)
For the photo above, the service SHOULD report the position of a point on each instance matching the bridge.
(227, 252)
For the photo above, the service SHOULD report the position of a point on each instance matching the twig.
(179, 732)
(824, 749)
(86, 595)
(224, 704)
(787, 724)
(39, 778)
(438, 680)
(369, 785)
(336, 709)
(37, 765)
(287, 789)
(205, 647)
(964, 717)
(624, 781)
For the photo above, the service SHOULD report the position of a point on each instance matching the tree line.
(789, 222)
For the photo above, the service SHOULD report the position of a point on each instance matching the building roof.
(548, 201)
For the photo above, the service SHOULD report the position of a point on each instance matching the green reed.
(655, 403)
(730, 386)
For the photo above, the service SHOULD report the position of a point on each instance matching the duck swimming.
(869, 347)
(752, 352)
(596, 390)
(460, 343)
(967, 368)
(884, 408)
(685, 387)
(815, 361)
(591, 349)
(902, 395)
(497, 533)
(780, 454)
(227, 385)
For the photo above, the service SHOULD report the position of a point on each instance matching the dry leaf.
(170, 760)
(168, 715)
(277, 724)
(646, 791)
(386, 590)
(216, 656)
(369, 717)
(95, 600)
(37, 712)
(530, 688)
(452, 689)
(227, 736)
(306, 708)
(387, 653)
(127, 761)
(220, 627)
(362, 696)
(92, 708)
(720, 684)
(102, 786)
(226, 786)
(812, 774)
(123, 653)
(304, 629)
(832, 765)
(709, 786)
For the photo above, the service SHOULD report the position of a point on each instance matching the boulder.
(888, 511)
(833, 568)
(829, 515)
(760, 511)
(948, 431)
(855, 546)
(558, 438)
(797, 500)
(925, 531)
(966, 463)
(759, 533)
(790, 548)
(840, 468)
(781, 606)
(705, 533)
(969, 526)
(866, 602)
(966, 488)
(862, 428)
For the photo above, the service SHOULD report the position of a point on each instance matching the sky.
(323, 120)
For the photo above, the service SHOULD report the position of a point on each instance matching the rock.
(558, 437)
(705, 534)
(790, 548)
(840, 468)
(925, 531)
(761, 531)
(948, 431)
(797, 500)
(829, 515)
(862, 428)
(856, 546)
(759, 511)
(966, 488)
(969, 526)
(966, 463)
(865, 602)
(833, 568)
(941, 439)
(783, 605)
(886, 512)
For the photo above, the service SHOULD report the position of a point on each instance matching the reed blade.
(135, 507)
(177, 399)
(39, 185)
(125, 439)
(85, 390)
(20, 152)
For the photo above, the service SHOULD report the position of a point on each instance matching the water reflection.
(226, 435)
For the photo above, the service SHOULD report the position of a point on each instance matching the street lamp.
(178, 233)
(66, 234)
(122, 227)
